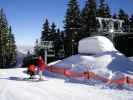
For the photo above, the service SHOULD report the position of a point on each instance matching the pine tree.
(88, 19)
(115, 16)
(53, 30)
(3, 39)
(85, 30)
(124, 16)
(7, 43)
(28, 59)
(12, 48)
(93, 16)
(103, 10)
(72, 27)
(46, 30)
(57, 43)
(131, 23)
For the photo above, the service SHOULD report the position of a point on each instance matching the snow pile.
(100, 64)
(95, 45)
(106, 61)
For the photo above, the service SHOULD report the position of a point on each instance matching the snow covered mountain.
(21, 53)
(20, 57)
(24, 49)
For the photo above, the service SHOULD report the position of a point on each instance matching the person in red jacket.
(41, 66)
(31, 69)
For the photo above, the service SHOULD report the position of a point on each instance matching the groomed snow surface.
(54, 88)
(96, 54)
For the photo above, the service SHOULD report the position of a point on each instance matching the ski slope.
(54, 88)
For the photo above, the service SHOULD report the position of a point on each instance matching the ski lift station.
(109, 25)
(120, 35)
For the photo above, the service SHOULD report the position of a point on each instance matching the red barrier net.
(88, 75)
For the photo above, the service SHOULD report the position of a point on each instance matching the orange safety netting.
(88, 75)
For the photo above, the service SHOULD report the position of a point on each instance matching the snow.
(95, 45)
(97, 54)
(104, 60)
(106, 63)
(54, 88)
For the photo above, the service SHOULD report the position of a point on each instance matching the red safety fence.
(89, 75)
(120, 81)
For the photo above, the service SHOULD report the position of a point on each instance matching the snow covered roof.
(95, 45)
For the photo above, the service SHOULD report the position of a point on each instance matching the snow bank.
(105, 61)
(95, 45)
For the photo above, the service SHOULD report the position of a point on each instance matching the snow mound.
(104, 60)
(95, 45)
(105, 63)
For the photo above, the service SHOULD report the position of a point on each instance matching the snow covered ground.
(107, 62)
(54, 88)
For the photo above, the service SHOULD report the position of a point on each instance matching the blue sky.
(27, 16)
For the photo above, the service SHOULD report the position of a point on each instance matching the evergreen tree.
(88, 20)
(28, 59)
(12, 48)
(72, 27)
(46, 30)
(131, 23)
(103, 10)
(3, 39)
(55, 38)
(93, 16)
(7, 43)
(115, 16)
(59, 44)
(53, 30)
(123, 16)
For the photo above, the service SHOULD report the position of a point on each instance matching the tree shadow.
(17, 78)
(14, 78)
(120, 63)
